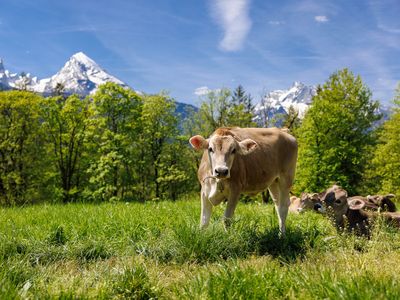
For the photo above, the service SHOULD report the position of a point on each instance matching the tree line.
(117, 145)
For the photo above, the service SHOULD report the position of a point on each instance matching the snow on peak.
(80, 75)
(298, 96)
(80, 56)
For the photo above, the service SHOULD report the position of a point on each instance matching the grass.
(155, 250)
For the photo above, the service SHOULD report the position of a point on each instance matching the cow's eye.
(210, 150)
(338, 201)
(233, 151)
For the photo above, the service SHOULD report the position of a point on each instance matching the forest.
(118, 145)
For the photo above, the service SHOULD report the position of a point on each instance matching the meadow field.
(155, 250)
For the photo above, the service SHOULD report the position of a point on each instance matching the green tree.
(21, 148)
(384, 171)
(292, 120)
(114, 143)
(239, 96)
(66, 123)
(336, 134)
(159, 131)
(219, 109)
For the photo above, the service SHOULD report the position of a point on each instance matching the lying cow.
(294, 205)
(385, 202)
(336, 198)
(377, 202)
(311, 201)
(245, 160)
(349, 213)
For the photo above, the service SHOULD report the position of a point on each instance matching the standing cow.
(245, 160)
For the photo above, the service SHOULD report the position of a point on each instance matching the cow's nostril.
(221, 172)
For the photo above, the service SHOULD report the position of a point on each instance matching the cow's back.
(275, 156)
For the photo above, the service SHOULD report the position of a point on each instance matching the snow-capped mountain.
(278, 102)
(80, 75)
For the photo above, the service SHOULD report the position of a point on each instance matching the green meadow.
(155, 250)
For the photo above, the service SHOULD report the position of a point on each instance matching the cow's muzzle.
(221, 172)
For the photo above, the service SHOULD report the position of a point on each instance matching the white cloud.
(233, 17)
(201, 91)
(321, 19)
(276, 23)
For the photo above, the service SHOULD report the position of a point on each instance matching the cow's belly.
(257, 186)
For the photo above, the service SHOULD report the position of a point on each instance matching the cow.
(306, 201)
(294, 204)
(384, 202)
(350, 213)
(335, 198)
(377, 202)
(245, 160)
(311, 201)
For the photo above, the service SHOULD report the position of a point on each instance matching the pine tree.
(239, 97)
(292, 120)
(335, 134)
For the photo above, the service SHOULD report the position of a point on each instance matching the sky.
(186, 47)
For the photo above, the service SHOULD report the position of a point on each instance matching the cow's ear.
(247, 146)
(198, 142)
(356, 204)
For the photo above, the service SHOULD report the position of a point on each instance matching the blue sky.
(182, 45)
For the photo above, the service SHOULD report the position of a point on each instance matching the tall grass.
(156, 250)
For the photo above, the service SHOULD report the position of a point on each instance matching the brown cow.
(350, 212)
(377, 202)
(245, 160)
(294, 204)
(307, 201)
(311, 201)
(336, 198)
(385, 202)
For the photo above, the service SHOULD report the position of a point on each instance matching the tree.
(21, 147)
(292, 120)
(241, 108)
(240, 97)
(384, 170)
(265, 112)
(335, 134)
(159, 129)
(219, 109)
(114, 143)
(66, 123)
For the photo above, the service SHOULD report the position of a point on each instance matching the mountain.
(80, 75)
(278, 102)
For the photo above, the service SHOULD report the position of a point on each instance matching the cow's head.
(222, 150)
(311, 201)
(335, 198)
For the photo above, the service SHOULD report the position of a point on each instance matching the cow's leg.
(210, 196)
(233, 200)
(206, 210)
(280, 194)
